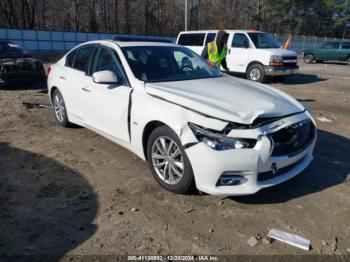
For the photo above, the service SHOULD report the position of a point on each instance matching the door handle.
(86, 89)
(62, 77)
(229, 50)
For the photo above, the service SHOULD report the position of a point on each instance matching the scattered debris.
(300, 206)
(334, 244)
(189, 210)
(120, 213)
(28, 105)
(30, 248)
(324, 120)
(291, 239)
(252, 242)
(348, 250)
(211, 230)
(84, 196)
(324, 243)
(82, 209)
(134, 209)
(65, 205)
(221, 203)
(267, 240)
(258, 237)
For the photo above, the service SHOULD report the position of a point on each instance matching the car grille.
(293, 139)
(270, 174)
(290, 61)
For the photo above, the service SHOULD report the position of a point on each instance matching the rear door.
(105, 105)
(344, 51)
(238, 52)
(77, 64)
(330, 51)
(194, 41)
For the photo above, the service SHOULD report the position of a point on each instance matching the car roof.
(215, 31)
(129, 44)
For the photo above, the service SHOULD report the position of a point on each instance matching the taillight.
(49, 70)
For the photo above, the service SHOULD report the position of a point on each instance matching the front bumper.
(281, 70)
(208, 165)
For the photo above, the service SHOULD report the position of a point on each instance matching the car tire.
(308, 59)
(59, 109)
(348, 61)
(165, 157)
(256, 73)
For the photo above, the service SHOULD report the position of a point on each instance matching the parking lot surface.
(71, 191)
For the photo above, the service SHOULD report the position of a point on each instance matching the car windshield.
(8, 48)
(167, 63)
(263, 40)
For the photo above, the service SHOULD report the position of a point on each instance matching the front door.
(106, 105)
(238, 52)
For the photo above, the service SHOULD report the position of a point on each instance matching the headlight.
(220, 142)
(276, 58)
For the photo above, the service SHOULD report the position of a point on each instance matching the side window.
(346, 45)
(210, 38)
(328, 45)
(196, 39)
(70, 58)
(105, 59)
(82, 58)
(240, 40)
(336, 45)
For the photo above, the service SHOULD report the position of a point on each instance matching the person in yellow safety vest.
(215, 52)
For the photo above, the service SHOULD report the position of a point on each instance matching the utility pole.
(186, 15)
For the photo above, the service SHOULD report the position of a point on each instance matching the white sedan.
(196, 127)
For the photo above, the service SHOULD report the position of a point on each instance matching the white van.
(253, 53)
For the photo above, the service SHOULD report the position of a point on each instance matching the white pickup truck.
(253, 53)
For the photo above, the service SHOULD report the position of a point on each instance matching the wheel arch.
(150, 126)
(52, 90)
(252, 63)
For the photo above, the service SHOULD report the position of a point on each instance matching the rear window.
(196, 39)
(346, 45)
(82, 58)
(70, 58)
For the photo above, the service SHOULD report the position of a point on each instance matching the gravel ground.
(70, 191)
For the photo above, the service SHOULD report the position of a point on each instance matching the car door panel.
(237, 55)
(106, 105)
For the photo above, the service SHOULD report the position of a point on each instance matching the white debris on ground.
(290, 239)
(324, 120)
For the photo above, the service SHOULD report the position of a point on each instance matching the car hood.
(281, 52)
(227, 98)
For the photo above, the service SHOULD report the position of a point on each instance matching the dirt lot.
(70, 191)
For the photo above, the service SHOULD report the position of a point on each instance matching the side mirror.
(246, 44)
(105, 77)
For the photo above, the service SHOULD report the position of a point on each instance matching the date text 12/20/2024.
(173, 258)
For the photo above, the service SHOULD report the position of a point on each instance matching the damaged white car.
(196, 127)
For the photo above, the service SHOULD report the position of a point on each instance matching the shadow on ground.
(297, 79)
(46, 208)
(330, 167)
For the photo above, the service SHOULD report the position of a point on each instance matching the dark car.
(17, 65)
(334, 51)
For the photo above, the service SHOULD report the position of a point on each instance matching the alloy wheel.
(254, 74)
(167, 160)
(59, 108)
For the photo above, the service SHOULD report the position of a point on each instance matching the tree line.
(166, 17)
